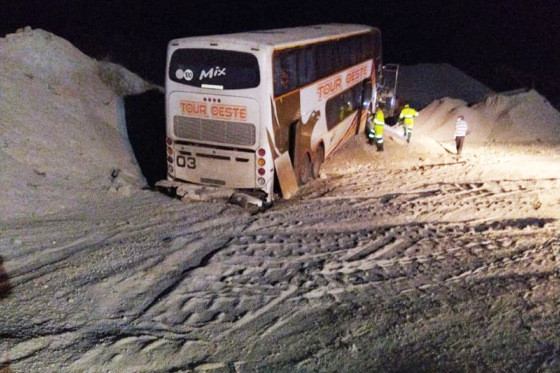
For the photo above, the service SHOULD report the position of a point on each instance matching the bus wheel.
(305, 172)
(318, 161)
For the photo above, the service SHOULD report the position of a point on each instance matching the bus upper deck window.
(229, 69)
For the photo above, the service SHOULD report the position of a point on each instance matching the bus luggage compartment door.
(217, 167)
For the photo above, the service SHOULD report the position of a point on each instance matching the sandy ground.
(412, 259)
(405, 260)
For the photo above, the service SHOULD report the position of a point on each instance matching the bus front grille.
(214, 131)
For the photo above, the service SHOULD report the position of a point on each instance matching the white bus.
(250, 110)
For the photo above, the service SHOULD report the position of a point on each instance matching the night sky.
(506, 44)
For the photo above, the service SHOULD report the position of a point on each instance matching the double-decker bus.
(248, 110)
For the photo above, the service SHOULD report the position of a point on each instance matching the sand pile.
(521, 118)
(63, 137)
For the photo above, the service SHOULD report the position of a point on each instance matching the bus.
(257, 113)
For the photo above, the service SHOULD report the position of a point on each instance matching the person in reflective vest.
(407, 116)
(378, 127)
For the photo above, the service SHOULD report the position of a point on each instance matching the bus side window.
(341, 106)
(353, 45)
(285, 72)
(290, 66)
(323, 58)
(278, 90)
(343, 54)
(306, 66)
(311, 64)
(337, 57)
(295, 68)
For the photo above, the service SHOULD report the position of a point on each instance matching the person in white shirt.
(461, 130)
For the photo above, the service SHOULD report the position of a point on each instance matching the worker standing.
(407, 116)
(378, 127)
(461, 130)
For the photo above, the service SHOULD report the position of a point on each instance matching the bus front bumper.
(193, 192)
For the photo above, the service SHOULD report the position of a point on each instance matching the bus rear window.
(210, 67)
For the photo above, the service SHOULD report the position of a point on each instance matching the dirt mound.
(521, 118)
(62, 130)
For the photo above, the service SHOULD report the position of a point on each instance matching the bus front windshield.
(211, 67)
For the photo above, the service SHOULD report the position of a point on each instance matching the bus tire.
(318, 161)
(305, 170)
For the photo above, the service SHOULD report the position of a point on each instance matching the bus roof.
(285, 37)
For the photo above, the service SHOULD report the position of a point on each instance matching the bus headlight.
(261, 181)
(261, 162)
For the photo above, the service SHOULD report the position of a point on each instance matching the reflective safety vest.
(378, 122)
(408, 115)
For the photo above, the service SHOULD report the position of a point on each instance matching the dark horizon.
(504, 44)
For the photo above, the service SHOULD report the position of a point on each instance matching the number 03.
(191, 162)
